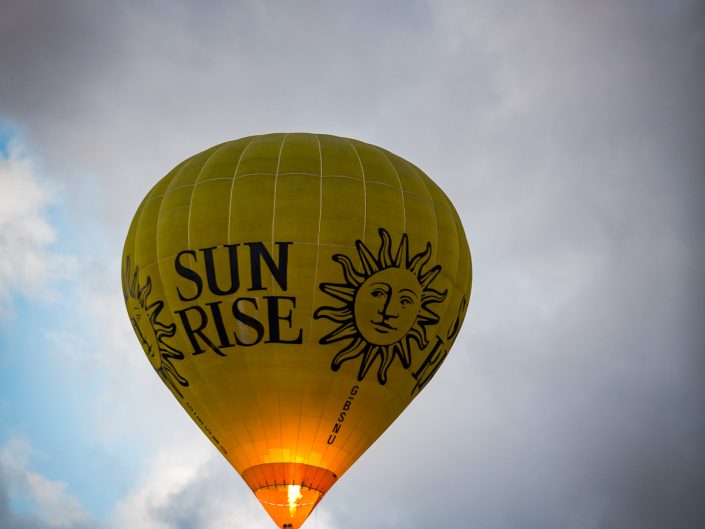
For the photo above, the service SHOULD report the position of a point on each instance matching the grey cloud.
(107, 105)
(9, 520)
(14, 520)
(576, 395)
(48, 52)
(570, 137)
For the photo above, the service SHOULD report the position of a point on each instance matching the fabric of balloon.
(295, 292)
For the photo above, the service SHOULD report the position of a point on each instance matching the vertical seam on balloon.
(364, 229)
(256, 399)
(156, 239)
(148, 199)
(320, 219)
(318, 251)
(193, 192)
(161, 208)
(401, 188)
(204, 411)
(207, 415)
(454, 281)
(276, 176)
(459, 238)
(230, 211)
(274, 210)
(364, 189)
(232, 186)
(364, 226)
(468, 273)
(433, 207)
(134, 235)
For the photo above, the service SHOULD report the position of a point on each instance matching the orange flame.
(294, 495)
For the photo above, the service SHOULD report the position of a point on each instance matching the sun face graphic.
(152, 333)
(386, 306)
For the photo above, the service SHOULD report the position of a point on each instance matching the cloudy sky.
(569, 134)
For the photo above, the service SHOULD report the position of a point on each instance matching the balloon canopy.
(295, 292)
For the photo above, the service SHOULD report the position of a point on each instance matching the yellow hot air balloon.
(295, 292)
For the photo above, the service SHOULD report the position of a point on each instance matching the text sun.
(385, 306)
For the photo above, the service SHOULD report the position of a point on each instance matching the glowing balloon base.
(288, 505)
(289, 491)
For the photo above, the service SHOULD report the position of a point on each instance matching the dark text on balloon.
(238, 321)
(208, 266)
(278, 324)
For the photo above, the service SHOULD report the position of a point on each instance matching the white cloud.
(170, 471)
(28, 264)
(187, 485)
(55, 506)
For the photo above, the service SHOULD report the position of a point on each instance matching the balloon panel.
(295, 292)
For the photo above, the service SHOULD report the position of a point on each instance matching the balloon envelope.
(295, 292)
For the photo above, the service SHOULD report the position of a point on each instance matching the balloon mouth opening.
(289, 491)
(288, 505)
(296, 496)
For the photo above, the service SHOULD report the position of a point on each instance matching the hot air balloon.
(295, 292)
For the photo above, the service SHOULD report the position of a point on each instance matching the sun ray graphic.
(152, 333)
(385, 306)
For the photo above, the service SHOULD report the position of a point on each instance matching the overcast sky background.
(570, 136)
